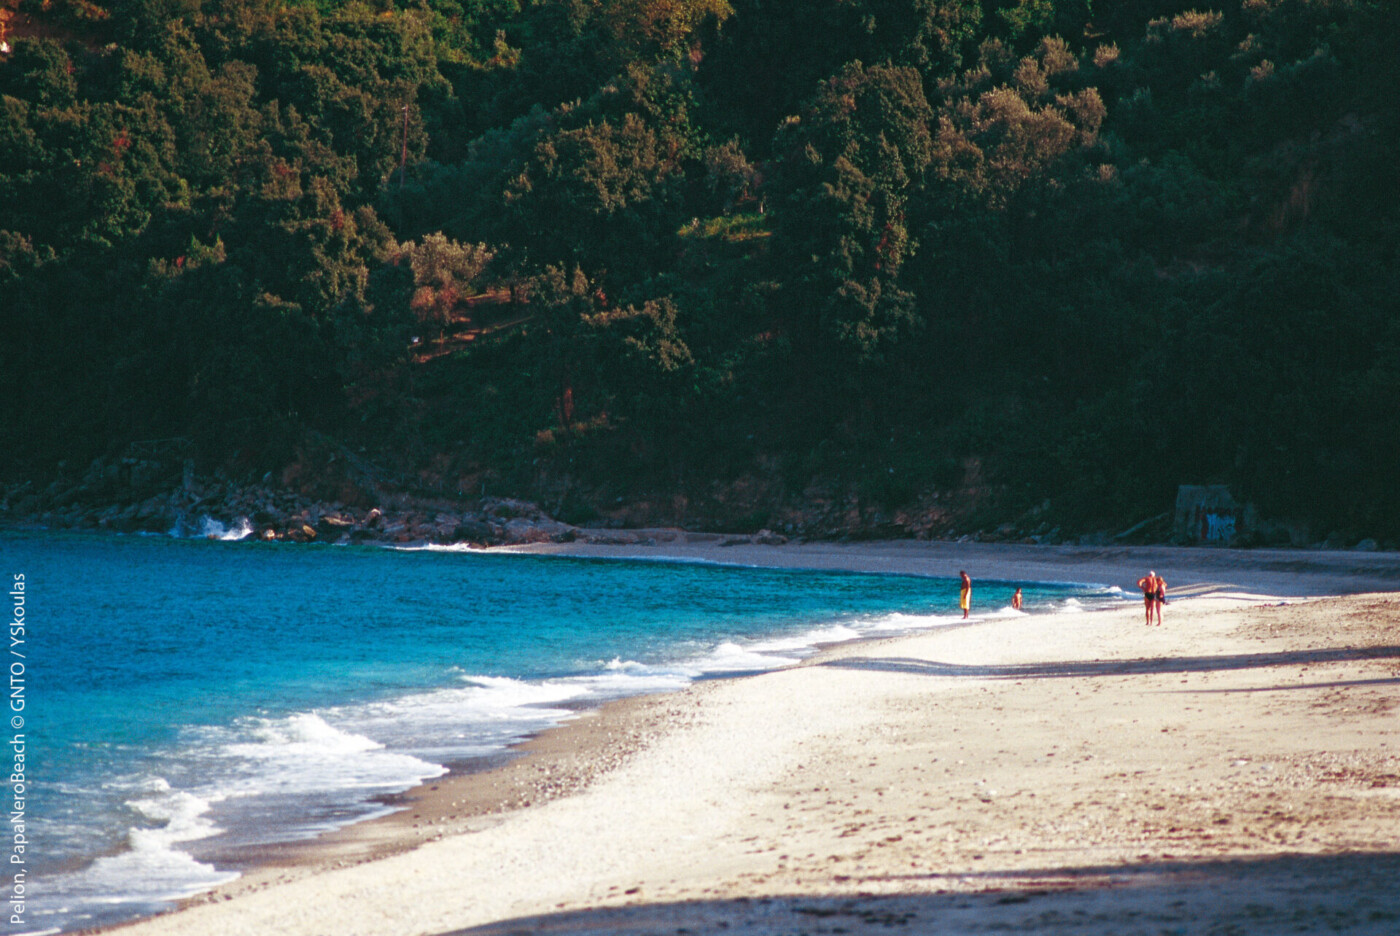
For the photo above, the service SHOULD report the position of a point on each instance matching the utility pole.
(403, 156)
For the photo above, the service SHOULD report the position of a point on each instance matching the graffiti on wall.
(1216, 524)
(1218, 527)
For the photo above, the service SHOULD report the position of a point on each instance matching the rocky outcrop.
(161, 496)
(134, 496)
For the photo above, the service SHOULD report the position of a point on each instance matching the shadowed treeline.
(882, 267)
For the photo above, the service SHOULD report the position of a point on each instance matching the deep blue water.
(187, 691)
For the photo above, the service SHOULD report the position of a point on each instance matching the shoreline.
(472, 796)
(1277, 572)
(568, 759)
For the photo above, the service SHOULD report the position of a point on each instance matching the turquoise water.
(189, 692)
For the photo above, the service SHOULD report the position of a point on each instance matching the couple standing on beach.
(1154, 595)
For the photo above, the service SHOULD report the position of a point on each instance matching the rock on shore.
(135, 496)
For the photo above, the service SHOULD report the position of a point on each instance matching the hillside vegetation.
(845, 266)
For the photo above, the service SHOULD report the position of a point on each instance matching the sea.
(184, 695)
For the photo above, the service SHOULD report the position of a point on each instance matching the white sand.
(1236, 770)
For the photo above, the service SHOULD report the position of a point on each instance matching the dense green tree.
(769, 57)
(997, 137)
(601, 193)
(851, 162)
(444, 275)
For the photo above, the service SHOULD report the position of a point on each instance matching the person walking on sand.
(965, 594)
(1154, 592)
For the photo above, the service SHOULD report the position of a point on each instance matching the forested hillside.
(931, 265)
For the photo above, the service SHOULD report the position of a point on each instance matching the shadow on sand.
(1132, 667)
(1352, 893)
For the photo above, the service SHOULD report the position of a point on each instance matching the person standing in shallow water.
(965, 594)
(1016, 600)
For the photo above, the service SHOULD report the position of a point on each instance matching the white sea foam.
(304, 753)
(486, 714)
(209, 528)
(152, 869)
(481, 716)
(900, 623)
(733, 657)
(135, 785)
(179, 817)
(437, 547)
(809, 640)
(213, 529)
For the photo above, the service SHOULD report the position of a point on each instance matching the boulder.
(268, 515)
(476, 531)
(526, 530)
(332, 526)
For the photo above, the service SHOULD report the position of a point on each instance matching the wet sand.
(1236, 769)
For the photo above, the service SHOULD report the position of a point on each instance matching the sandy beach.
(1235, 770)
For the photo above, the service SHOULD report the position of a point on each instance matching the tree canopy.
(639, 249)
